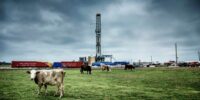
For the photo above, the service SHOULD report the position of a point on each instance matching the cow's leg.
(39, 88)
(45, 86)
(57, 90)
(81, 70)
(61, 90)
(90, 72)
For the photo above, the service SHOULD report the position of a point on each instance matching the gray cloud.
(56, 30)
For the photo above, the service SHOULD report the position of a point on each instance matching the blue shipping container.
(57, 65)
(96, 64)
(121, 63)
(99, 63)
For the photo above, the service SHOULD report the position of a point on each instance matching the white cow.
(54, 77)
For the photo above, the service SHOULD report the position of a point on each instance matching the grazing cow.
(86, 67)
(193, 64)
(54, 77)
(105, 67)
(129, 66)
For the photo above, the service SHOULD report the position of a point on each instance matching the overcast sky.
(57, 30)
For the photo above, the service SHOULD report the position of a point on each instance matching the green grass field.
(142, 83)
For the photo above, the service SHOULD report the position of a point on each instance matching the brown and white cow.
(54, 77)
(105, 67)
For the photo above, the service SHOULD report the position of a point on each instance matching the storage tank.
(91, 60)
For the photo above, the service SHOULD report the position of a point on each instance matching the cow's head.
(33, 73)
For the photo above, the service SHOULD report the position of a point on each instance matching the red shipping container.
(72, 64)
(19, 64)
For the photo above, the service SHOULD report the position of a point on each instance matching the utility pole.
(199, 55)
(151, 60)
(176, 55)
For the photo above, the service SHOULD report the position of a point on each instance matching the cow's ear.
(37, 72)
(63, 73)
(28, 72)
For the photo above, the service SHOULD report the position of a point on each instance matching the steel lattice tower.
(98, 37)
